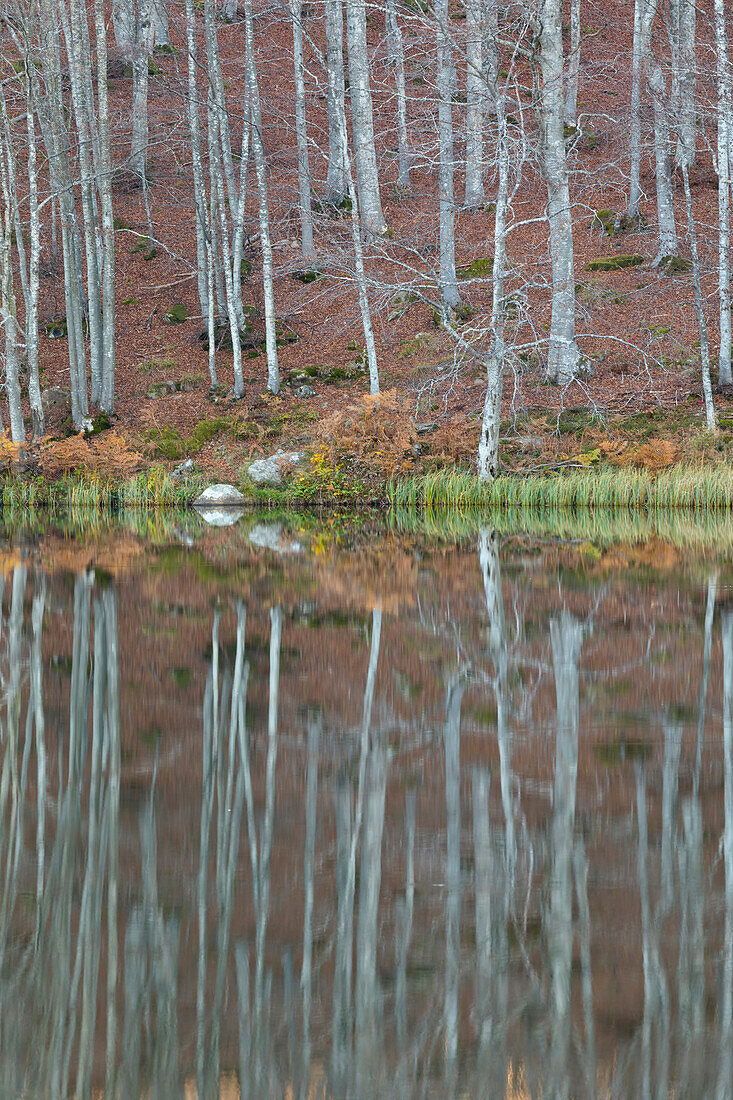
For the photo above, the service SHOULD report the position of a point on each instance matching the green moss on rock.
(480, 268)
(615, 263)
(675, 265)
(176, 315)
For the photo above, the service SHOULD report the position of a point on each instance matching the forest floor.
(641, 406)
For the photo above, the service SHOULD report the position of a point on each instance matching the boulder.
(219, 496)
(183, 469)
(272, 470)
(55, 397)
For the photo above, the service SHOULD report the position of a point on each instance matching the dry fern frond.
(377, 431)
(455, 441)
(655, 455)
(107, 456)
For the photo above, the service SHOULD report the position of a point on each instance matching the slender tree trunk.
(448, 284)
(687, 133)
(301, 136)
(724, 186)
(565, 361)
(644, 12)
(31, 312)
(140, 58)
(699, 308)
(488, 448)
(359, 259)
(203, 233)
(8, 306)
(365, 154)
(159, 19)
(397, 61)
(258, 149)
(336, 189)
(475, 96)
(663, 159)
(571, 79)
(490, 59)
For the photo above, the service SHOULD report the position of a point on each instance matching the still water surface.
(407, 820)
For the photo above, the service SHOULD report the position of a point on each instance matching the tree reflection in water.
(372, 935)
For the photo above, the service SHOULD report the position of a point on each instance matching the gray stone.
(182, 470)
(217, 496)
(269, 536)
(305, 391)
(55, 397)
(270, 471)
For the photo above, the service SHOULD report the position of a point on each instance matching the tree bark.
(365, 154)
(571, 80)
(475, 96)
(564, 362)
(258, 149)
(448, 283)
(699, 308)
(336, 189)
(301, 136)
(724, 185)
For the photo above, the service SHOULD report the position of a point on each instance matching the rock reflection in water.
(434, 890)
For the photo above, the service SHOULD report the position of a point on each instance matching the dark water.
(395, 821)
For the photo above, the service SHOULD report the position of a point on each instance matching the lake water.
(284, 818)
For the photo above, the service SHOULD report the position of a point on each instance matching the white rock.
(270, 471)
(269, 536)
(216, 496)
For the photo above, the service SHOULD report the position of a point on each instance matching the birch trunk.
(644, 12)
(258, 149)
(360, 273)
(724, 166)
(571, 89)
(336, 188)
(31, 312)
(365, 154)
(663, 161)
(397, 61)
(159, 20)
(687, 132)
(699, 308)
(490, 59)
(104, 187)
(448, 284)
(475, 96)
(488, 447)
(141, 54)
(301, 136)
(204, 268)
(565, 361)
(8, 305)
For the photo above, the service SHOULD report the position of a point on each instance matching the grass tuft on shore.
(692, 488)
(147, 491)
